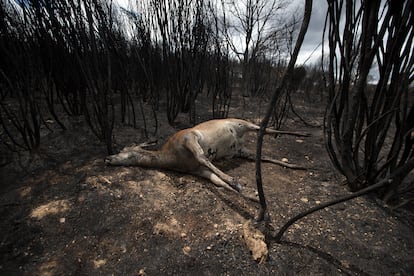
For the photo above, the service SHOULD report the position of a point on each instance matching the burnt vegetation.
(108, 66)
(369, 128)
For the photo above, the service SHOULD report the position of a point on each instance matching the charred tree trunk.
(265, 121)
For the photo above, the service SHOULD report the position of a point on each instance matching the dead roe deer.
(192, 150)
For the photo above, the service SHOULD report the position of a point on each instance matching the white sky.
(313, 36)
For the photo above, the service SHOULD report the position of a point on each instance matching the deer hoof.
(237, 186)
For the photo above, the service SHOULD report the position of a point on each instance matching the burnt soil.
(64, 212)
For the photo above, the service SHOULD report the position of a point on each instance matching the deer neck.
(155, 159)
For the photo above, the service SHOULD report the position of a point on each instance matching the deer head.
(133, 156)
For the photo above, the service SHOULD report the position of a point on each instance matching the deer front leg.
(191, 143)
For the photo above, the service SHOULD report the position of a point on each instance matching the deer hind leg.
(254, 127)
(244, 153)
(191, 143)
(206, 173)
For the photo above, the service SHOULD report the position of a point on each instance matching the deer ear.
(148, 143)
(128, 148)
